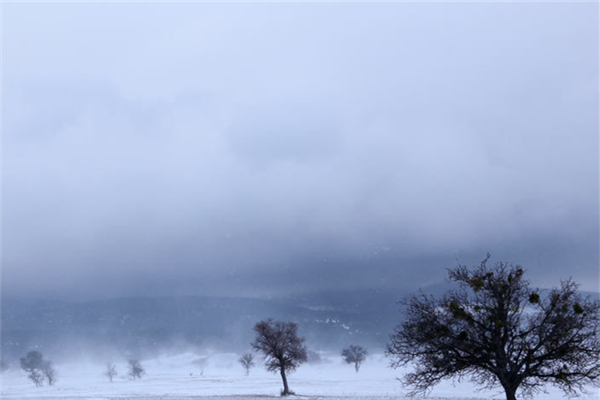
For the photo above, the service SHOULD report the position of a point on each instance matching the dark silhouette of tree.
(32, 363)
(496, 330)
(284, 351)
(136, 371)
(355, 355)
(111, 371)
(247, 361)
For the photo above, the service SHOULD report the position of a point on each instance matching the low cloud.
(263, 164)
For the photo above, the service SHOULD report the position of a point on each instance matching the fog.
(173, 173)
(272, 149)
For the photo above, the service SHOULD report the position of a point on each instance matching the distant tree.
(111, 371)
(496, 330)
(136, 371)
(355, 355)
(32, 363)
(284, 351)
(49, 372)
(247, 361)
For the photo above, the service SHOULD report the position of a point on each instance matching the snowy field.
(221, 377)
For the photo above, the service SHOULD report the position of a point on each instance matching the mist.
(173, 173)
(232, 150)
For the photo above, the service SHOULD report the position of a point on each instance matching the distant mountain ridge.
(145, 326)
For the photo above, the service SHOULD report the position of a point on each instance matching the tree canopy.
(354, 355)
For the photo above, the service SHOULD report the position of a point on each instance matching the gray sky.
(271, 148)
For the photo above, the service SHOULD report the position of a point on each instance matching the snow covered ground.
(220, 376)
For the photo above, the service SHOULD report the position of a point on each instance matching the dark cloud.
(261, 149)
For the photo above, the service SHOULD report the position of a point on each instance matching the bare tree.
(284, 351)
(49, 372)
(247, 361)
(496, 330)
(111, 371)
(355, 354)
(136, 371)
(36, 376)
(32, 363)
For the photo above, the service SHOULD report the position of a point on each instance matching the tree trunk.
(286, 389)
(510, 392)
(356, 366)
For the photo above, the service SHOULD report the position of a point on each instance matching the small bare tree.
(111, 371)
(37, 377)
(355, 354)
(136, 371)
(49, 372)
(247, 361)
(284, 351)
(32, 363)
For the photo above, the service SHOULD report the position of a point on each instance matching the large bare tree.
(284, 350)
(494, 329)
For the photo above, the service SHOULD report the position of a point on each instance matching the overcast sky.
(270, 148)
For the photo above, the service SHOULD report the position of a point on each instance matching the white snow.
(179, 377)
